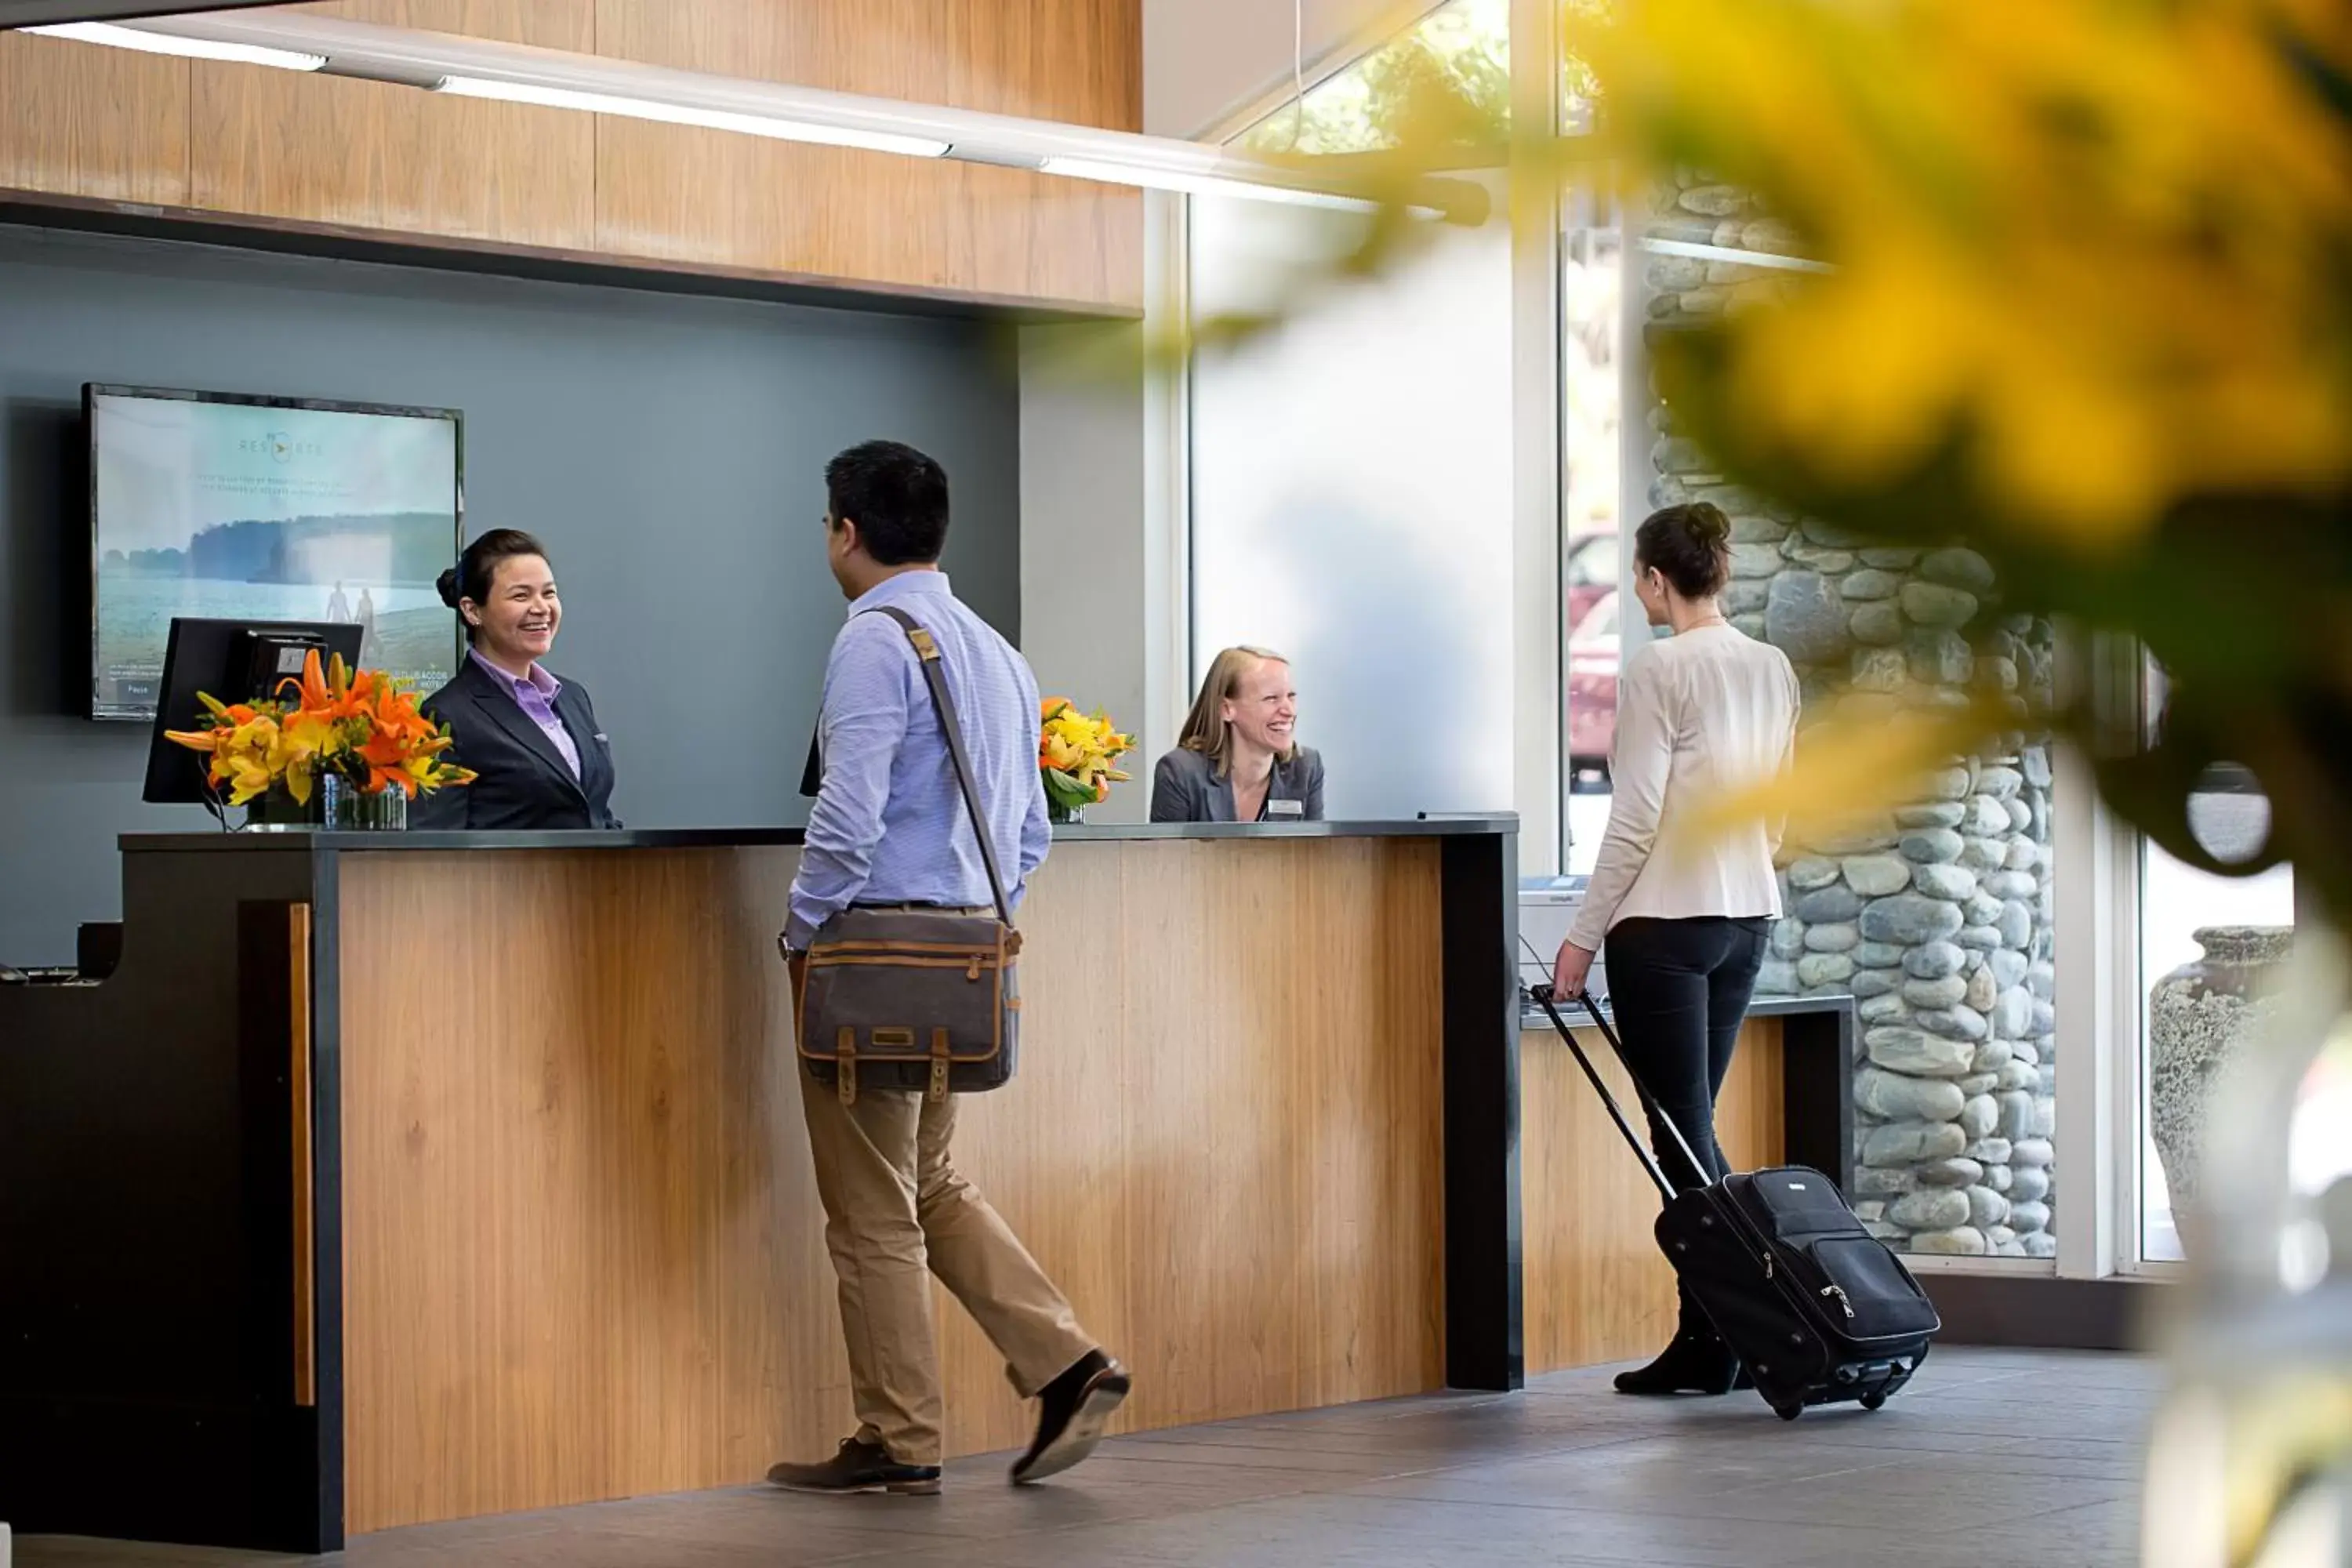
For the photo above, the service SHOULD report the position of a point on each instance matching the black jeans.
(1680, 990)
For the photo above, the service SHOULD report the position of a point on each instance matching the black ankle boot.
(1696, 1362)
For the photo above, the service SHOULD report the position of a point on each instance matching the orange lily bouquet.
(363, 726)
(1075, 750)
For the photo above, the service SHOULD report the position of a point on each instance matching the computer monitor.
(233, 661)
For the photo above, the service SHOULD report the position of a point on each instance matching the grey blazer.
(1185, 788)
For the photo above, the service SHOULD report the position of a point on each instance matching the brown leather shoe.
(858, 1466)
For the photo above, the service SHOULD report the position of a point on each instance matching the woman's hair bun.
(447, 586)
(1689, 544)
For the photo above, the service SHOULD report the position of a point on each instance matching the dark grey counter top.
(316, 841)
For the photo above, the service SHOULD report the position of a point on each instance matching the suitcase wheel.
(1873, 1400)
(1788, 1411)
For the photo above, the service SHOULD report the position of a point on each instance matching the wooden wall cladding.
(583, 1255)
(81, 121)
(251, 143)
(925, 224)
(1597, 1288)
(364, 154)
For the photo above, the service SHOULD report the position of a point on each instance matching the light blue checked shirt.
(889, 825)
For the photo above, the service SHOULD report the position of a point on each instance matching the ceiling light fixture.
(519, 73)
(770, 126)
(120, 36)
(1200, 183)
(1696, 251)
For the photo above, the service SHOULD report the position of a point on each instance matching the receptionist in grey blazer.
(1237, 760)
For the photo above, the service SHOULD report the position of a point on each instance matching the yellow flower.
(247, 777)
(2090, 250)
(1075, 752)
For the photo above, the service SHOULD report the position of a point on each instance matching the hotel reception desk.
(399, 1178)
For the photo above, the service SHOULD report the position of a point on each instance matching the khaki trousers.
(896, 1209)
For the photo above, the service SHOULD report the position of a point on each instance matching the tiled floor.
(1989, 1457)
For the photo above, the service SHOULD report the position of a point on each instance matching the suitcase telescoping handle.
(1543, 998)
(1548, 1000)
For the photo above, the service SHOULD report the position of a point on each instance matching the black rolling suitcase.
(1818, 1310)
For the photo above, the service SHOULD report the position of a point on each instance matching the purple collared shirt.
(536, 697)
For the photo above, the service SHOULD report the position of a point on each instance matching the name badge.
(1285, 808)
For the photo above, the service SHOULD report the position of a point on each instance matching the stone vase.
(2199, 1016)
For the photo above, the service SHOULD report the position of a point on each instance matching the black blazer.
(524, 784)
(1185, 788)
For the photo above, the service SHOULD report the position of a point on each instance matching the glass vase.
(1055, 812)
(350, 809)
(275, 811)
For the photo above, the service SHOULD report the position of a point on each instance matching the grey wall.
(670, 451)
(1085, 585)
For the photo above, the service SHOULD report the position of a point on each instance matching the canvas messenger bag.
(916, 998)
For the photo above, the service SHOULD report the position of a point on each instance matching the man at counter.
(889, 827)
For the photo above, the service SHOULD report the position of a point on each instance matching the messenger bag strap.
(926, 653)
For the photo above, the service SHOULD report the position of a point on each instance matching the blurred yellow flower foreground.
(2091, 252)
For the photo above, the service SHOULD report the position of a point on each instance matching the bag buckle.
(941, 1061)
(845, 1056)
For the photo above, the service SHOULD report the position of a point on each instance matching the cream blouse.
(1698, 716)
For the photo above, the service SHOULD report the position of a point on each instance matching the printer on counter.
(1548, 907)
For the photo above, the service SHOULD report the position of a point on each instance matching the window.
(1466, 43)
(1373, 429)
(1591, 397)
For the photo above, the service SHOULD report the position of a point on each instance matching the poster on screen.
(204, 504)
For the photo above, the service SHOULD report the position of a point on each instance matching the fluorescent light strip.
(774, 128)
(148, 43)
(1698, 252)
(1152, 179)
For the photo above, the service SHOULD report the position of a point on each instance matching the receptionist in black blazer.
(1238, 759)
(540, 759)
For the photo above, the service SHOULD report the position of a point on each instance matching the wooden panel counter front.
(584, 1257)
(397, 1179)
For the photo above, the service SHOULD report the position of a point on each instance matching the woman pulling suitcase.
(1685, 913)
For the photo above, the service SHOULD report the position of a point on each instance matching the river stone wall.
(1937, 914)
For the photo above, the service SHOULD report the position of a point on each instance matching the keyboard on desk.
(41, 976)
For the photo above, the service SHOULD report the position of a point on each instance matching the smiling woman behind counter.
(1238, 759)
(532, 738)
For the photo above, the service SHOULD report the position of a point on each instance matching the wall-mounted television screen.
(261, 509)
